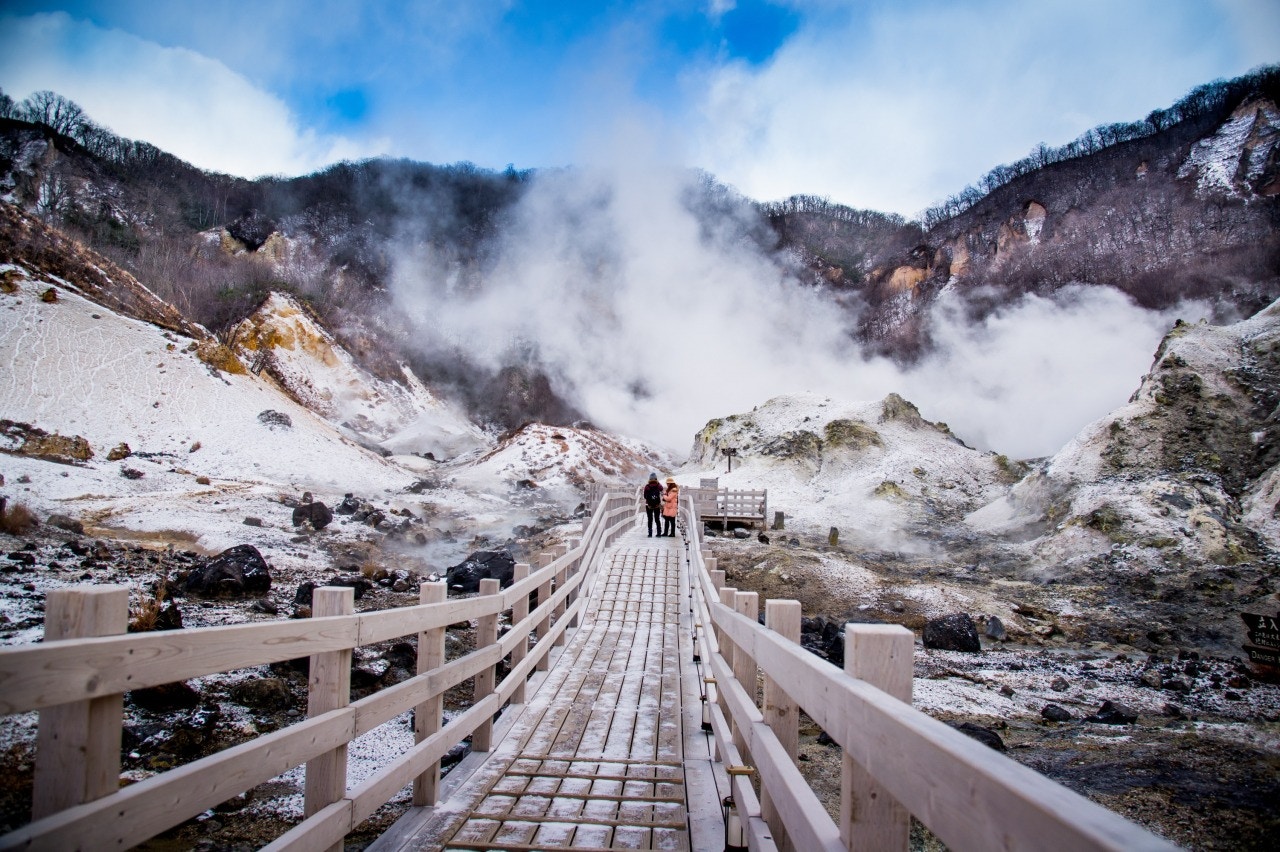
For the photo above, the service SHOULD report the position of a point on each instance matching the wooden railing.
(76, 678)
(897, 761)
(730, 505)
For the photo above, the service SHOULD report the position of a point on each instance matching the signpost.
(730, 452)
(1264, 638)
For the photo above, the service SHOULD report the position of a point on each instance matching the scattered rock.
(264, 606)
(131, 473)
(317, 515)
(234, 572)
(1059, 684)
(955, 632)
(465, 577)
(264, 693)
(1114, 713)
(1054, 713)
(994, 629)
(120, 451)
(165, 698)
(275, 419)
(252, 522)
(986, 736)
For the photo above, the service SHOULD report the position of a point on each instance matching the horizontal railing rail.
(77, 684)
(898, 762)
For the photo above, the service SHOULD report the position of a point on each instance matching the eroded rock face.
(235, 572)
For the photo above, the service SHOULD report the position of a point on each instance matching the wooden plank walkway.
(597, 759)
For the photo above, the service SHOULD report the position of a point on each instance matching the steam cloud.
(652, 322)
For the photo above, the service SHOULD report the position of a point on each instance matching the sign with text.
(1264, 638)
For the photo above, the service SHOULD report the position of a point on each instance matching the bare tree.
(55, 112)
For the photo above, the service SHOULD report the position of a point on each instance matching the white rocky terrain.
(1114, 571)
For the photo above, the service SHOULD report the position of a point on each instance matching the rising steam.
(652, 318)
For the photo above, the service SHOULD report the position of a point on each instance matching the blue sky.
(876, 104)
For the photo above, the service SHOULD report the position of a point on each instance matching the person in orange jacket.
(670, 505)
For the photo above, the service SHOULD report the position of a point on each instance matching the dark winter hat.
(653, 477)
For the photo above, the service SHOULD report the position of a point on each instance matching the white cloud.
(178, 100)
(898, 108)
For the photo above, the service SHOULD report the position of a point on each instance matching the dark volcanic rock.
(275, 419)
(1114, 713)
(235, 572)
(315, 514)
(986, 736)
(266, 693)
(1054, 713)
(165, 698)
(952, 633)
(481, 565)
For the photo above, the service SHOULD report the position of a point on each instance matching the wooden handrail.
(64, 671)
(969, 796)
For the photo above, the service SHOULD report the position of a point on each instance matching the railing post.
(577, 569)
(880, 654)
(329, 687)
(744, 667)
(541, 561)
(780, 712)
(78, 744)
(486, 634)
(428, 716)
(519, 612)
(562, 574)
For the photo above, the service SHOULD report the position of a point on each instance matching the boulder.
(165, 698)
(262, 693)
(994, 629)
(316, 514)
(348, 506)
(1114, 713)
(465, 577)
(1054, 713)
(235, 572)
(986, 736)
(955, 632)
(275, 419)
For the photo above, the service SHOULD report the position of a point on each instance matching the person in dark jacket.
(653, 504)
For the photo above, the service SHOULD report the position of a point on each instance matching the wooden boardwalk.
(597, 759)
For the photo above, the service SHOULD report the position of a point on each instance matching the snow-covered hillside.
(559, 460)
(285, 341)
(876, 470)
(74, 368)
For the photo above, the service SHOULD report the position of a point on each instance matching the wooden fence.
(725, 505)
(77, 678)
(897, 761)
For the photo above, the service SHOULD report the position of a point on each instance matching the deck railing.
(897, 761)
(77, 678)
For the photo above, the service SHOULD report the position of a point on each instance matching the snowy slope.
(284, 340)
(876, 470)
(559, 460)
(73, 367)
